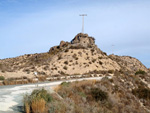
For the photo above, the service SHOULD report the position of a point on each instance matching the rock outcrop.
(84, 40)
(80, 41)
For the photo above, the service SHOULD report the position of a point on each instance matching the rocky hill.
(128, 64)
(77, 57)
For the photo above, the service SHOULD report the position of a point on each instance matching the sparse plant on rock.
(98, 94)
(2, 78)
(65, 67)
(66, 62)
(140, 72)
(142, 93)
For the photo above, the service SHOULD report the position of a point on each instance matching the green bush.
(2, 78)
(65, 67)
(66, 62)
(65, 84)
(98, 94)
(142, 93)
(77, 47)
(42, 94)
(105, 53)
(62, 73)
(93, 60)
(111, 71)
(37, 101)
(140, 72)
(100, 62)
(38, 94)
(66, 50)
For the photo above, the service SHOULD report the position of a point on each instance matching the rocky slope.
(80, 56)
(128, 63)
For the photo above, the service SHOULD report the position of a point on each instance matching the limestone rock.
(83, 39)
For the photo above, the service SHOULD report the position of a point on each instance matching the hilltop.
(80, 56)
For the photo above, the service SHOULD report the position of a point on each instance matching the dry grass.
(38, 106)
(56, 88)
(14, 82)
(37, 101)
(105, 96)
(27, 108)
(42, 78)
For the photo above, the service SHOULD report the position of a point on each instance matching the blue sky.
(33, 26)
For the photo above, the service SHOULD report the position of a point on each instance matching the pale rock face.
(83, 39)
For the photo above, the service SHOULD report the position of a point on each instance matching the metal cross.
(83, 21)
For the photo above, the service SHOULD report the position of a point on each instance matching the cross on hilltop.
(83, 21)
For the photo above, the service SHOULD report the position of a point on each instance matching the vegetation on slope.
(121, 94)
(2, 78)
(37, 101)
(140, 72)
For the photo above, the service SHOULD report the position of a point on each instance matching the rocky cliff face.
(79, 41)
(84, 40)
(79, 56)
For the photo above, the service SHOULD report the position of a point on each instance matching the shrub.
(140, 72)
(90, 62)
(38, 106)
(100, 62)
(92, 50)
(62, 73)
(65, 84)
(77, 47)
(111, 71)
(65, 67)
(27, 107)
(36, 102)
(76, 58)
(142, 93)
(66, 62)
(98, 94)
(105, 53)
(46, 68)
(59, 57)
(93, 60)
(2, 78)
(42, 94)
(66, 50)
(80, 53)
(41, 78)
(76, 62)
(99, 57)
